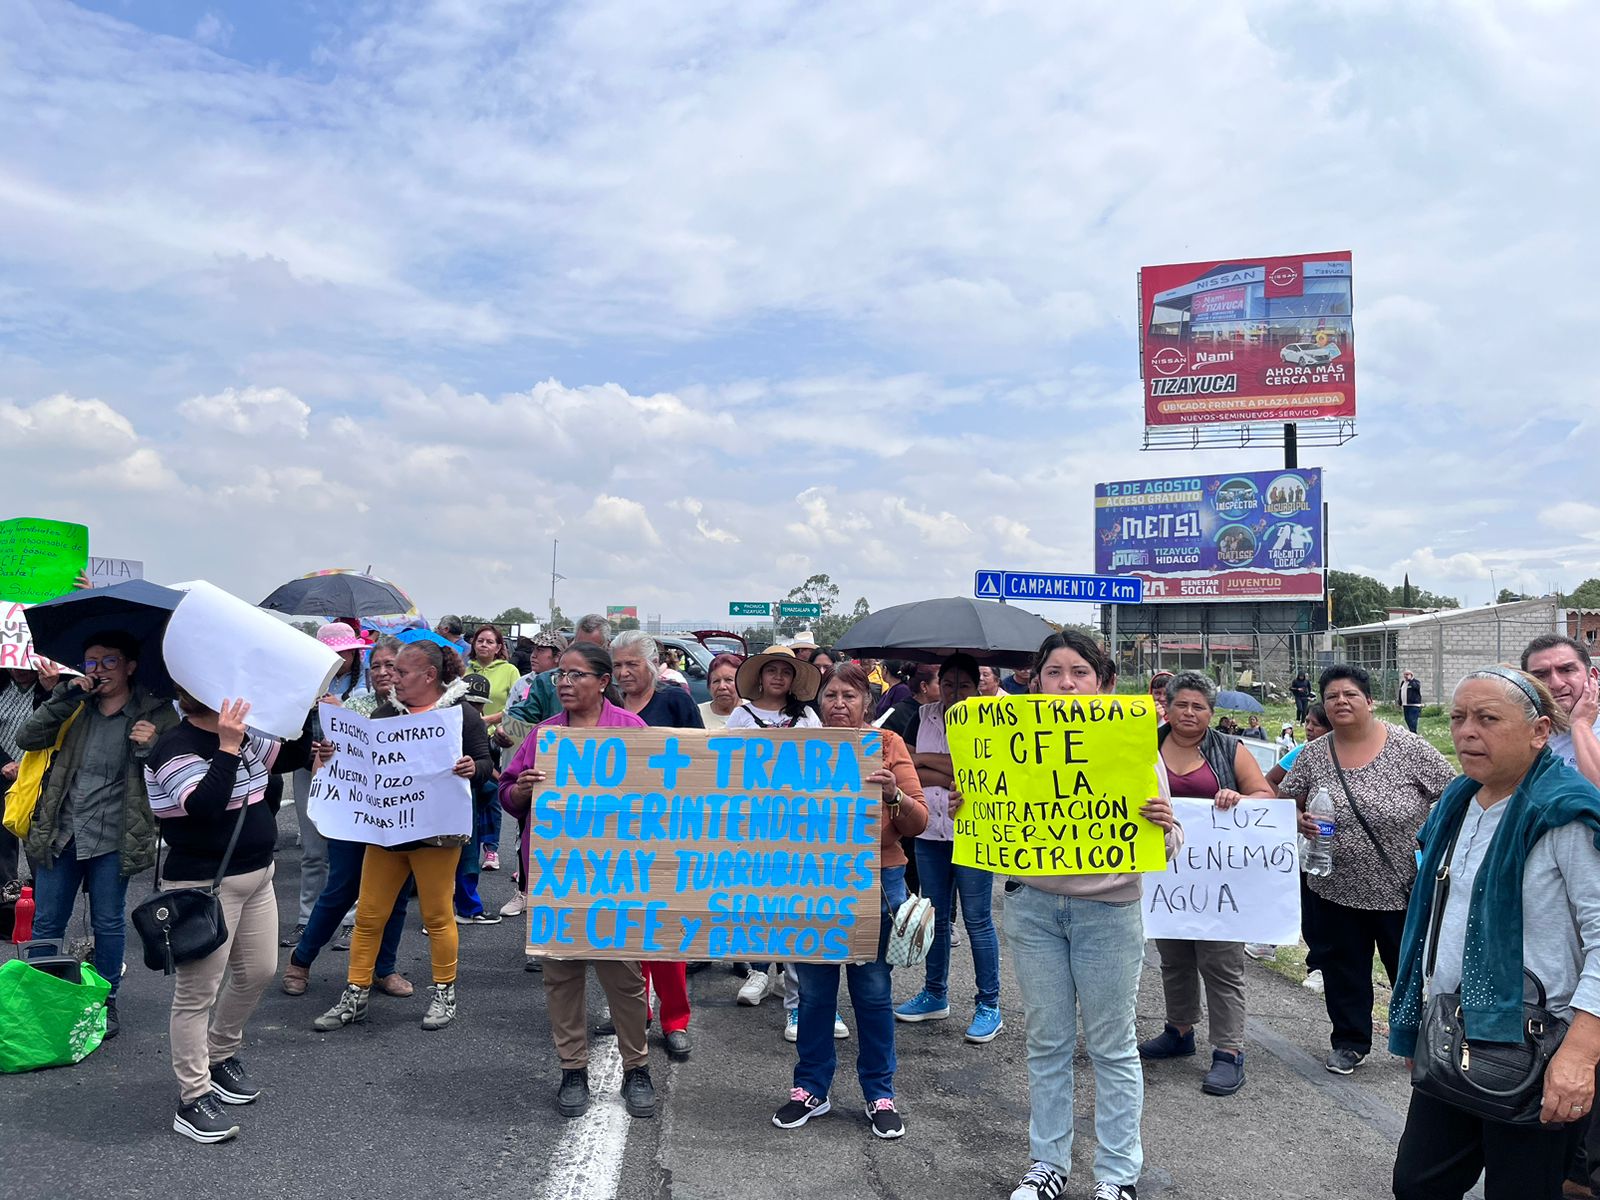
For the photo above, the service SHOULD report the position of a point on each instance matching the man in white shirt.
(1564, 666)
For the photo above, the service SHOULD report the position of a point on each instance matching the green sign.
(749, 608)
(39, 559)
(799, 610)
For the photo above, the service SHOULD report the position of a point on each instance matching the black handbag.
(185, 924)
(1497, 1081)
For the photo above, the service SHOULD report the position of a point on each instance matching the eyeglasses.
(110, 662)
(560, 674)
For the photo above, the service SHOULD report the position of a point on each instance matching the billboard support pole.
(1114, 659)
(1291, 445)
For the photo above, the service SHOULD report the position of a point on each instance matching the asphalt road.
(387, 1109)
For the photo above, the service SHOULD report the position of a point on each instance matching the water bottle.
(1318, 859)
(22, 930)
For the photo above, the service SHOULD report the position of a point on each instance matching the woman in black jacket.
(207, 778)
(427, 676)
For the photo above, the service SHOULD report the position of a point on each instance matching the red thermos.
(23, 930)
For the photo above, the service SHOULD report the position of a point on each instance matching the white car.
(1309, 354)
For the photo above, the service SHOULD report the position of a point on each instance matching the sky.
(725, 295)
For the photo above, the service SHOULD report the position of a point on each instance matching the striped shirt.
(197, 790)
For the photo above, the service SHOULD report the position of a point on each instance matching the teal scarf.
(1550, 795)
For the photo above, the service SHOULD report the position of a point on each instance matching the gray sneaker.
(441, 1006)
(352, 1007)
(1342, 1061)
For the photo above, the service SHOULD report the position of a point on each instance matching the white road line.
(587, 1162)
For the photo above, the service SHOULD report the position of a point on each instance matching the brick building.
(1441, 647)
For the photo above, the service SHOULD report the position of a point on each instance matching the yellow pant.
(383, 874)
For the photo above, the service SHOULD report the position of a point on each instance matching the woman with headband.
(1383, 780)
(1512, 845)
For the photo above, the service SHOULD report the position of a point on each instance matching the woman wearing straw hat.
(776, 688)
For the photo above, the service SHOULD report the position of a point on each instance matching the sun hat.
(804, 640)
(807, 679)
(336, 635)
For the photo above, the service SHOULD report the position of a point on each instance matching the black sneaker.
(572, 1098)
(341, 940)
(233, 1083)
(1343, 1061)
(1042, 1182)
(113, 1025)
(1113, 1191)
(638, 1093)
(801, 1108)
(292, 938)
(678, 1045)
(203, 1120)
(885, 1118)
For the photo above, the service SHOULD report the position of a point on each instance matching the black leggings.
(1444, 1149)
(1342, 941)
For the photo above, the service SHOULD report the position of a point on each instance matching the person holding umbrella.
(93, 829)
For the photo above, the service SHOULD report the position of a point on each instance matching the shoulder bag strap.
(1333, 753)
(1441, 893)
(227, 856)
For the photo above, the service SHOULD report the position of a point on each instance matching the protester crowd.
(1479, 892)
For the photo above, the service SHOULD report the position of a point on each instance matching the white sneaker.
(515, 906)
(1260, 950)
(791, 1026)
(754, 990)
(840, 1029)
(1312, 982)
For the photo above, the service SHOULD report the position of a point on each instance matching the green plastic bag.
(46, 1021)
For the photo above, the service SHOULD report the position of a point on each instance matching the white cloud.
(213, 30)
(249, 411)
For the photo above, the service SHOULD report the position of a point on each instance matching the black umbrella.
(339, 594)
(997, 635)
(137, 608)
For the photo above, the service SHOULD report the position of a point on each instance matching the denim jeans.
(338, 899)
(55, 890)
(1067, 952)
(313, 849)
(941, 880)
(819, 1002)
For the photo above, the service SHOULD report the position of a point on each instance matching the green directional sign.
(799, 610)
(750, 608)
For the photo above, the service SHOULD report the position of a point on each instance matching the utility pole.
(554, 544)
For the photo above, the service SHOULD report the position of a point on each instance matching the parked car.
(1309, 354)
(696, 664)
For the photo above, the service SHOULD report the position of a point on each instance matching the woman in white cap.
(776, 689)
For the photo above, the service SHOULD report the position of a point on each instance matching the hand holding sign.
(1057, 785)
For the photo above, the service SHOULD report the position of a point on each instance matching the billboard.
(615, 612)
(1265, 339)
(1256, 535)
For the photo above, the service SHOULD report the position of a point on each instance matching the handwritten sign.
(1052, 785)
(104, 572)
(695, 844)
(390, 779)
(39, 559)
(1235, 879)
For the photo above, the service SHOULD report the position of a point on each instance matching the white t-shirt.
(1561, 746)
(712, 719)
(750, 715)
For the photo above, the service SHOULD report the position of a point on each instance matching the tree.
(1357, 599)
(1586, 594)
(831, 628)
(818, 590)
(622, 623)
(1507, 596)
(517, 616)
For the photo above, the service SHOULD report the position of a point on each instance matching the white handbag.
(910, 933)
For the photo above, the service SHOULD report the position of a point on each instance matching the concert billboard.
(1262, 339)
(1254, 535)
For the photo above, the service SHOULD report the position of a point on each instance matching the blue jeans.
(344, 885)
(871, 998)
(941, 880)
(484, 824)
(1070, 954)
(55, 891)
(490, 822)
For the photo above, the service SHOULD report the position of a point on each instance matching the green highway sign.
(799, 610)
(750, 608)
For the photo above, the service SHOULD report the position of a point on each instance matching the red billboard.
(1264, 339)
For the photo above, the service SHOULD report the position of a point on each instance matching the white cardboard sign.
(391, 780)
(1235, 879)
(104, 572)
(217, 647)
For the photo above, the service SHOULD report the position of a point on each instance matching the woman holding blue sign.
(583, 686)
(1080, 939)
(942, 879)
(844, 698)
